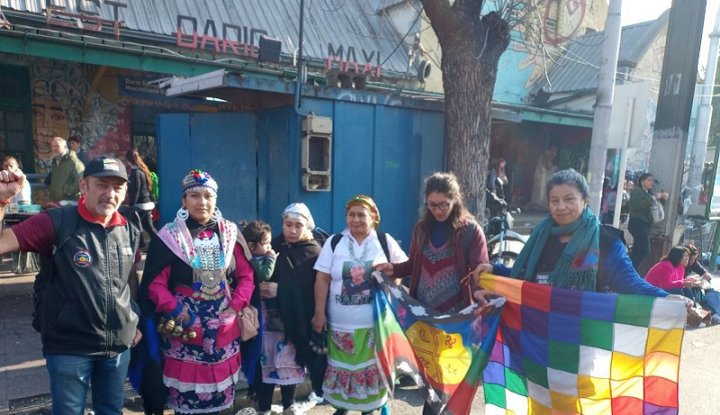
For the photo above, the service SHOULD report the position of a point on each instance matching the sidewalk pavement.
(24, 387)
(22, 367)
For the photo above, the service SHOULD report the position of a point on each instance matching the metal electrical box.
(316, 153)
(320, 125)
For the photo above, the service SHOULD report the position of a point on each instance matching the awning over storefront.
(226, 85)
(72, 47)
(229, 86)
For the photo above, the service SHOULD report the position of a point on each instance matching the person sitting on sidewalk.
(83, 301)
(669, 273)
(702, 292)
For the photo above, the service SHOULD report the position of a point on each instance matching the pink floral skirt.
(201, 373)
(278, 358)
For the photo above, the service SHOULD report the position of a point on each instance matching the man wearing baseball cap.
(83, 307)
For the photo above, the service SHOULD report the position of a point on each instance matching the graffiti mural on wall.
(69, 99)
(56, 103)
(561, 22)
(108, 134)
(63, 105)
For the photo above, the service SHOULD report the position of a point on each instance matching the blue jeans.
(712, 301)
(71, 376)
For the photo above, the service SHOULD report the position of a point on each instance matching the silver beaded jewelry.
(216, 215)
(182, 214)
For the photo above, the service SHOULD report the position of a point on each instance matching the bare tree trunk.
(467, 125)
(471, 48)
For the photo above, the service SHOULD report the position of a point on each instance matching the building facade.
(112, 72)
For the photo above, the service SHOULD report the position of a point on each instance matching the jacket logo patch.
(82, 258)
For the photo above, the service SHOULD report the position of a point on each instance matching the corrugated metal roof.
(347, 23)
(577, 69)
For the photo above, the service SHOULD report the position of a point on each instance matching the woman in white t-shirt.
(342, 287)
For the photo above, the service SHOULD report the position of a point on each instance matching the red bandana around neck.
(116, 220)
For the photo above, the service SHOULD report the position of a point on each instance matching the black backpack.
(69, 216)
(320, 235)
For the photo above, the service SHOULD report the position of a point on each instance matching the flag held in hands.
(445, 354)
(565, 351)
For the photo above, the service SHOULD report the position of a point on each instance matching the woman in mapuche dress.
(199, 279)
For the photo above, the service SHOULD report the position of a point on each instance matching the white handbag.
(657, 211)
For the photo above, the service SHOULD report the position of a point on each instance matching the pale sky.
(634, 11)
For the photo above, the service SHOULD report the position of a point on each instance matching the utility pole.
(603, 107)
(704, 116)
(300, 64)
(672, 120)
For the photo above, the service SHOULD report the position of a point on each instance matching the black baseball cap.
(105, 167)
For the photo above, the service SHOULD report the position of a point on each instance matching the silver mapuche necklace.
(351, 250)
(208, 264)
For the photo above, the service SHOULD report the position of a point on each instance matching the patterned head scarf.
(299, 211)
(199, 180)
(368, 203)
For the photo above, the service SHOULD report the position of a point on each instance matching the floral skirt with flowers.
(352, 380)
(201, 373)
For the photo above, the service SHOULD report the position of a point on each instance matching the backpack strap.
(335, 240)
(320, 235)
(65, 221)
(382, 236)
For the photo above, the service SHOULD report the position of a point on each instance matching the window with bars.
(15, 115)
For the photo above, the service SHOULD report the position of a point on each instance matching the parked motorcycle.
(503, 243)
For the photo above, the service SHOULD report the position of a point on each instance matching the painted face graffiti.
(49, 120)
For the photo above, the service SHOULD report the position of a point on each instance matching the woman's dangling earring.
(216, 215)
(182, 214)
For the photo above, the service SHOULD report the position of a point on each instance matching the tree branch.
(441, 15)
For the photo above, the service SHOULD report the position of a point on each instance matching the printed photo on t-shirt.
(356, 283)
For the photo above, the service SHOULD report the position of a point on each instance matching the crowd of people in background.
(313, 291)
